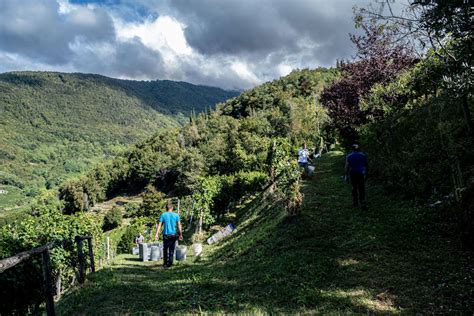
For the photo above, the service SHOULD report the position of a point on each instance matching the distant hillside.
(54, 124)
(234, 138)
(163, 95)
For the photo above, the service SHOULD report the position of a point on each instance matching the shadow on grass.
(187, 290)
(135, 259)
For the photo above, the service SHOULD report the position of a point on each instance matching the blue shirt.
(357, 162)
(170, 219)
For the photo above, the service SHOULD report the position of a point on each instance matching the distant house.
(3, 191)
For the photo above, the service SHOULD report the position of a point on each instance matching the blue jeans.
(169, 243)
(303, 165)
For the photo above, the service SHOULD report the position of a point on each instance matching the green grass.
(12, 204)
(13, 197)
(393, 258)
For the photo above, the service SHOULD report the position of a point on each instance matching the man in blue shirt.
(169, 220)
(356, 169)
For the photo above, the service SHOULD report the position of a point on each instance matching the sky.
(232, 44)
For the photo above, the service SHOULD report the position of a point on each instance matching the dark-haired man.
(356, 169)
(169, 220)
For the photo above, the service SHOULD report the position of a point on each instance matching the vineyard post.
(199, 228)
(108, 248)
(80, 258)
(186, 215)
(91, 253)
(47, 283)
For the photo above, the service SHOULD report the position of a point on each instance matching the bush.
(127, 242)
(419, 146)
(131, 210)
(252, 181)
(112, 219)
(154, 203)
(127, 239)
(215, 193)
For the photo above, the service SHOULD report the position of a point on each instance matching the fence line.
(44, 250)
(12, 261)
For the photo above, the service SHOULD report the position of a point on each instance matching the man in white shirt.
(303, 158)
(139, 239)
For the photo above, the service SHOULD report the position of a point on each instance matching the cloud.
(128, 59)
(163, 34)
(233, 27)
(50, 35)
(256, 29)
(232, 44)
(38, 30)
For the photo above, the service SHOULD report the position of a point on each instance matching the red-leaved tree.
(379, 60)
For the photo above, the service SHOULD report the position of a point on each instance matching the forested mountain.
(54, 124)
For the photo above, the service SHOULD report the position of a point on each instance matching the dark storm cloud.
(233, 27)
(35, 29)
(247, 27)
(129, 59)
(83, 39)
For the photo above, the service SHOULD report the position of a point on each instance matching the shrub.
(112, 219)
(252, 181)
(131, 210)
(127, 242)
(154, 203)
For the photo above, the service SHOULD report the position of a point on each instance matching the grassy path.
(333, 258)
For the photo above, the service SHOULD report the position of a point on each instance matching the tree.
(112, 219)
(73, 195)
(204, 200)
(379, 60)
(446, 27)
(154, 203)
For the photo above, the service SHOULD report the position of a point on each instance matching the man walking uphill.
(169, 220)
(356, 169)
(303, 158)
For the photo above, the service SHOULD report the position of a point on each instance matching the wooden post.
(199, 227)
(47, 283)
(186, 215)
(7, 263)
(91, 254)
(46, 267)
(80, 259)
(191, 218)
(178, 206)
(58, 286)
(107, 250)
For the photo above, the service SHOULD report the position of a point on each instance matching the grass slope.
(332, 258)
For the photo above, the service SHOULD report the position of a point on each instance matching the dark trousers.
(304, 165)
(169, 243)
(358, 188)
